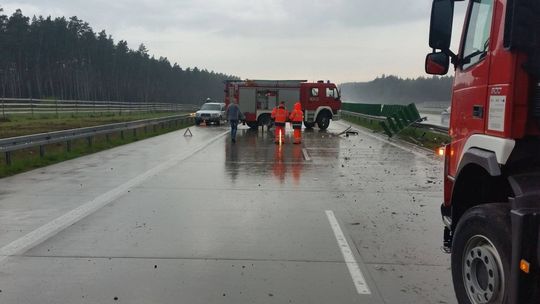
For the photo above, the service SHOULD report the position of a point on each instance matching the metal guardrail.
(42, 106)
(8, 145)
(432, 127)
(436, 128)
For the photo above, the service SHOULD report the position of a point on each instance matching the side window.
(476, 44)
(314, 92)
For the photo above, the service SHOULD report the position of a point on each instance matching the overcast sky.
(339, 40)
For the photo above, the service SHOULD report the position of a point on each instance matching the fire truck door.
(471, 78)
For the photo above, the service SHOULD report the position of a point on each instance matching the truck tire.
(481, 253)
(309, 125)
(197, 122)
(323, 120)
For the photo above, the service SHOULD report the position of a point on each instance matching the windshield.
(332, 92)
(211, 107)
(478, 32)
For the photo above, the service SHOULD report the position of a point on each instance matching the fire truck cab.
(321, 101)
(491, 207)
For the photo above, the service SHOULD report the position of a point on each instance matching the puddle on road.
(255, 154)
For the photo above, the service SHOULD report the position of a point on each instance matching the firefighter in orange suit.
(296, 118)
(280, 116)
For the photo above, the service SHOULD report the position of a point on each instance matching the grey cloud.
(245, 18)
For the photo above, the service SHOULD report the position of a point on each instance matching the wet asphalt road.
(200, 220)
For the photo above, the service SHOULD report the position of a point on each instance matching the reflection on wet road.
(254, 154)
(203, 220)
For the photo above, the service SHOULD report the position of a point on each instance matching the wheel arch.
(480, 180)
(258, 114)
(502, 148)
(323, 109)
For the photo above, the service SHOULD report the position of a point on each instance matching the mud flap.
(524, 286)
(525, 215)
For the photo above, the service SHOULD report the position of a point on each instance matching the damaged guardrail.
(382, 119)
(9, 145)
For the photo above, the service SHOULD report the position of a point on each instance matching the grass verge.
(28, 159)
(26, 124)
(421, 137)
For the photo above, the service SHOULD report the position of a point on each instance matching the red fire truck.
(320, 100)
(491, 208)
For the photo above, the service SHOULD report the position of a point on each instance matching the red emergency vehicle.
(491, 208)
(321, 101)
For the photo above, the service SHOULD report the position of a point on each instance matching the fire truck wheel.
(309, 125)
(323, 121)
(481, 253)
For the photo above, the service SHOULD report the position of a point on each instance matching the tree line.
(64, 58)
(393, 89)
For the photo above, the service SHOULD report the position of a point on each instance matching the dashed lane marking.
(306, 155)
(354, 269)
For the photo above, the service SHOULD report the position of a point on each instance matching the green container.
(414, 111)
(398, 122)
(363, 108)
(403, 117)
(392, 125)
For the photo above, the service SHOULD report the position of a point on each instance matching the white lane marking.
(306, 154)
(52, 228)
(352, 265)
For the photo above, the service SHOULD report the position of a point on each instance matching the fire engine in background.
(320, 101)
(491, 206)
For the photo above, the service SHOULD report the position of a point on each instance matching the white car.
(210, 112)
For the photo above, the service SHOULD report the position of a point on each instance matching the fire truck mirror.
(437, 63)
(440, 32)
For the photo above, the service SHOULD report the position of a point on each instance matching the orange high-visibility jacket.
(296, 114)
(274, 111)
(281, 115)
